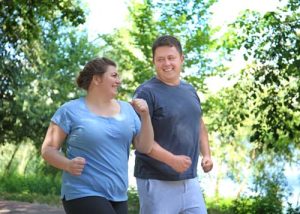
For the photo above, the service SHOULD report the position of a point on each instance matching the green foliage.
(32, 198)
(131, 47)
(30, 179)
(144, 27)
(261, 107)
(133, 201)
(293, 210)
(219, 206)
(189, 21)
(22, 25)
(272, 86)
(41, 53)
(256, 205)
(38, 183)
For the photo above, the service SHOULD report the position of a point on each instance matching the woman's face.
(110, 80)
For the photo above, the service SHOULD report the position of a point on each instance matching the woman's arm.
(54, 138)
(143, 141)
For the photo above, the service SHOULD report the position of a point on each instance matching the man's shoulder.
(185, 83)
(148, 84)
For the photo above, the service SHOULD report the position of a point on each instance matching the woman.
(98, 131)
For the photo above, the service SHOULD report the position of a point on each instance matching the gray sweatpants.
(170, 197)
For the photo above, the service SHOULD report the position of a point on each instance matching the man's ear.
(182, 58)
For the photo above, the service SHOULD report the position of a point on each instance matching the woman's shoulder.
(75, 103)
(124, 103)
(126, 106)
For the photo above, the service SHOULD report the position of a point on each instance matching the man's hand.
(206, 164)
(180, 163)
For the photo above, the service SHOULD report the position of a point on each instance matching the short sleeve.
(61, 119)
(144, 94)
(199, 101)
(137, 123)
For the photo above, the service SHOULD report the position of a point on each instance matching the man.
(167, 176)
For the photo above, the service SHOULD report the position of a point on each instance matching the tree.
(272, 89)
(41, 52)
(263, 104)
(22, 24)
(188, 20)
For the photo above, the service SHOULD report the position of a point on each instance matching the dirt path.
(16, 207)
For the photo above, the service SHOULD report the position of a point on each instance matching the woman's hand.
(76, 165)
(140, 106)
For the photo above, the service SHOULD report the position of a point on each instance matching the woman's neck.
(102, 106)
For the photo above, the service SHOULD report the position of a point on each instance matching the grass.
(44, 190)
(53, 200)
(32, 188)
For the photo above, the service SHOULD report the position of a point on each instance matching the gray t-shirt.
(175, 113)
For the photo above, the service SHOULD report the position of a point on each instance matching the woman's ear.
(97, 79)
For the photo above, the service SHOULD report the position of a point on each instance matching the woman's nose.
(118, 80)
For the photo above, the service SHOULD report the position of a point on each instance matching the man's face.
(168, 64)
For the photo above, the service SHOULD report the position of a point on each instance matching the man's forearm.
(179, 163)
(161, 154)
(204, 144)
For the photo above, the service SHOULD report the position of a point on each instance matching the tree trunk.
(7, 168)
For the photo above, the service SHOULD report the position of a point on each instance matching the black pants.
(94, 205)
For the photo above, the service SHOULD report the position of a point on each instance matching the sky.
(104, 17)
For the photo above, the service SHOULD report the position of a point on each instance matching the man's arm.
(179, 163)
(206, 162)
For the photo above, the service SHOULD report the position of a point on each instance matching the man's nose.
(167, 62)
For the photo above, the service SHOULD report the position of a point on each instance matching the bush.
(257, 204)
(218, 205)
(42, 184)
(133, 201)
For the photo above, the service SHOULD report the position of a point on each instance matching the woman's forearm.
(55, 158)
(145, 138)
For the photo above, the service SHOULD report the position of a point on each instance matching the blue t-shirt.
(104, 142)
(175, 114)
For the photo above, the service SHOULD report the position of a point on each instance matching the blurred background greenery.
(252, 113)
